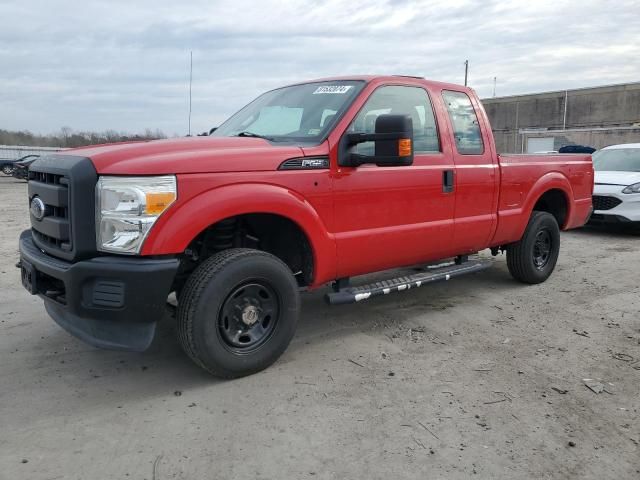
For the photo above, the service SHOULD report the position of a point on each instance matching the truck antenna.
(190, 82)
(466, 71)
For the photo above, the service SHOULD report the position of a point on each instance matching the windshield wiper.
(253, 135)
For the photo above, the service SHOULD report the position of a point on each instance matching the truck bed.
(525, 177)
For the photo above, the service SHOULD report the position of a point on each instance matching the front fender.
(179, 225)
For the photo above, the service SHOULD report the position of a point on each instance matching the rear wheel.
(238, 312)
(534, 257)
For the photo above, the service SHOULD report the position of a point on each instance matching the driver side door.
(387, 217)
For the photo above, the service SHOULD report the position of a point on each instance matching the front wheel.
(7, 169)
(238, 312)
(533, 258)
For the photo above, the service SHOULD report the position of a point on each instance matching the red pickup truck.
(310, 184)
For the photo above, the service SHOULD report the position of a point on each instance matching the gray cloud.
(124, 65)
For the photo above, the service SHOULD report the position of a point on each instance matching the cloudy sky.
(124, 65)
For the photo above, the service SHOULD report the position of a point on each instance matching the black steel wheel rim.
(248, 317)
(542, 247)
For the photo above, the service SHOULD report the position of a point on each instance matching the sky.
(124, 65)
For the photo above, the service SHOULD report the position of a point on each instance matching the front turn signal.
(158, 202)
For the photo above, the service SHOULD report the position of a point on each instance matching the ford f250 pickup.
(308, 185)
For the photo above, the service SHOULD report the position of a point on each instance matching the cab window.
(277, 120)
(398, 100)
(466, 129)
(303, 113)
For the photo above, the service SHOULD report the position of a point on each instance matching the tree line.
(68, 138)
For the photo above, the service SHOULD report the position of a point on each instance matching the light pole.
(190, 82)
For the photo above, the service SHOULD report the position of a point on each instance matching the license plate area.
(29, 277)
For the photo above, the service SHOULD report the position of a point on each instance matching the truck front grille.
(65, 184)
(54, 229)
(603, 202)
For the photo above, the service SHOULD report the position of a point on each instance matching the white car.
(616, 194)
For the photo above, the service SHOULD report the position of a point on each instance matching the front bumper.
(609, 219)
(109, 302)
(628, 210)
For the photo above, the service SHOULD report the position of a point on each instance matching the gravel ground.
(480, 376)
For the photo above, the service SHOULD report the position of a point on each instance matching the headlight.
(635, 188)
(127, 208)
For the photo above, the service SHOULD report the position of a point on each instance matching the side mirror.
(393, 140)
(212, 130)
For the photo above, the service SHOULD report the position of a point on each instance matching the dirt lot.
(480, 376)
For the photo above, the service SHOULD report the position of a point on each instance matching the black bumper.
(605, 219)
(109, 302)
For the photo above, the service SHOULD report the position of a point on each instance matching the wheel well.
(270, 233)
(555, 203)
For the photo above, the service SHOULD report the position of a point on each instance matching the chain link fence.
(14, 152)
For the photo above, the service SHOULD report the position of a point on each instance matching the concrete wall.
(588, 110)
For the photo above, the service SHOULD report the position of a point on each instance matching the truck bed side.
(564, 182)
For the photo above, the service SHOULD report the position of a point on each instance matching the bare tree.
(69, 138)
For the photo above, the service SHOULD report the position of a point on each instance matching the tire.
(7, 169)
(526, 259)
(238, 312)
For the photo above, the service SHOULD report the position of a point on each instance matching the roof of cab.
(387, 79)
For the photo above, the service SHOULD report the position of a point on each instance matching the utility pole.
(190, 82)
(495, 79)
(564, 116)
(466, 71)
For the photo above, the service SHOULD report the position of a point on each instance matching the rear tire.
(238, 312)
(534, 257)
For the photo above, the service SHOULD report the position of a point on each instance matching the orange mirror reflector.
(404, 147)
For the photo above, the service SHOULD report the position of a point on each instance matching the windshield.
(617, 160)
(299, 113)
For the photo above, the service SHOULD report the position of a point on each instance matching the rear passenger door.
(476, 173)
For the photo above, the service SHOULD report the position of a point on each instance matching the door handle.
(447, 181)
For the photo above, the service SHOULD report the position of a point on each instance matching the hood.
(617, 178)
(187, 155)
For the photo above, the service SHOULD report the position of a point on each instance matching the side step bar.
(364, 292)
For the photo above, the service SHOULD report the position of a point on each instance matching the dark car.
(7, 166)
(21, 166)
(576, 149)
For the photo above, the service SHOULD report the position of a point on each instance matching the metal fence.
(14, 152)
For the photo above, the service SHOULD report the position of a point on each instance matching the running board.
(364, 292)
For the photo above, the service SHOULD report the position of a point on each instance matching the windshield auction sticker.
(333, 89)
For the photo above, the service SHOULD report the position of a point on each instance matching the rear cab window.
(466, 129)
